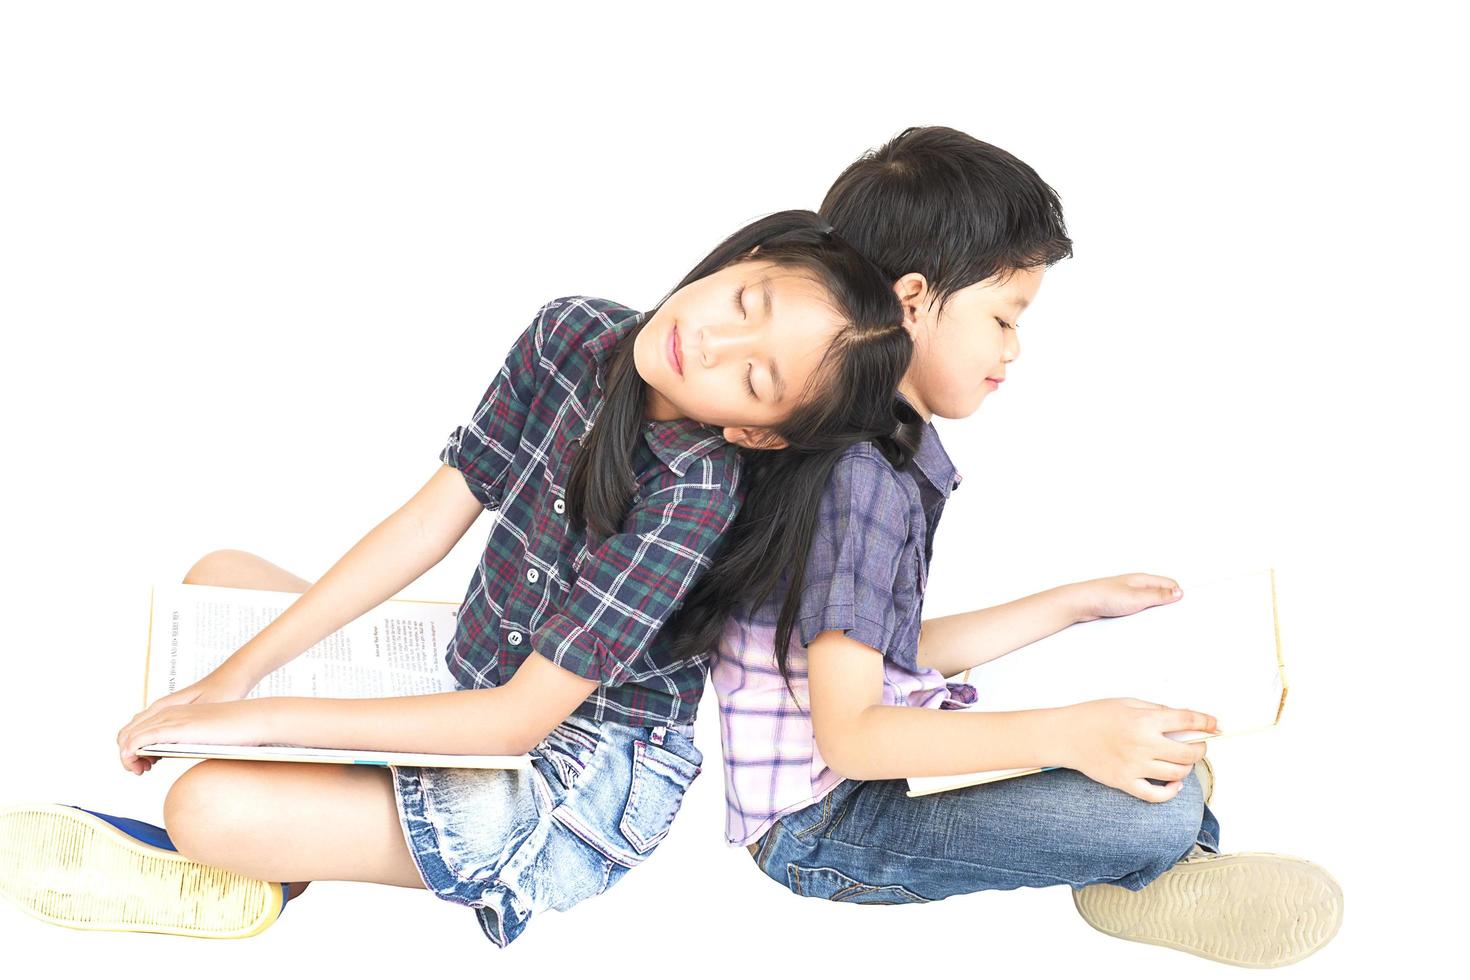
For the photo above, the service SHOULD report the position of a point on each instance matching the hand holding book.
(1123, 743)
(220, 685)
(1218, 651)
(224, 722)
(386, 665)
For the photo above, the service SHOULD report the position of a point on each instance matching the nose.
(1012, 347)
(716, 344)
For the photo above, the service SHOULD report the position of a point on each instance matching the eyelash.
(748, 386)
(739, 306)
(1004, 325)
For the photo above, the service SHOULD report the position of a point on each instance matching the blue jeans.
(868, 843)
(596, 801)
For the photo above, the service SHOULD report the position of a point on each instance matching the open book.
(1216, 650)
(394, 650)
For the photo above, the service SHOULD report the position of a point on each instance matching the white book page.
(1214, 650)
(396, 649)
(296, 753)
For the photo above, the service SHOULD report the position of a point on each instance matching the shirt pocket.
(660, 779)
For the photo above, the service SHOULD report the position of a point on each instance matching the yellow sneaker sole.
(1206, 774)
(1253, 910)
(72, 869)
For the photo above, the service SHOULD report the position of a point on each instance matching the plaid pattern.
(865, 575)
(592, 606)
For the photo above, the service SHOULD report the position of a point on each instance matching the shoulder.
(587, 324)
(864, 467)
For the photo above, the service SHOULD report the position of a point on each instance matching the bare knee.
(202, 811)
(242, 570)
(218, 567)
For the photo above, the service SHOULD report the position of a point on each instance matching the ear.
(912, 290)
(754, 437)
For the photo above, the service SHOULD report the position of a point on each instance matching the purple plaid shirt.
(865, 576)
(593, 606)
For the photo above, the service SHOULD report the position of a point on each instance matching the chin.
(962, 410)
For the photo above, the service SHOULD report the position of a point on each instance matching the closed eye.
(1004, 325)
(740, 306)
(748, 386)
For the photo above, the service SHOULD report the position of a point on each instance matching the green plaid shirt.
(592, 606)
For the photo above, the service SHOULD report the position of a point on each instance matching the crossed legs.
(283, 821)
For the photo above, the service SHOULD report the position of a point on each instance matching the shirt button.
(560, 506)
(533, 576)
(514, 638)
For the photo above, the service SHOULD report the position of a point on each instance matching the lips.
(675, 358)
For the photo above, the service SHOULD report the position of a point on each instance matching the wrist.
(1058, 737)
(238, 672)
(1073, 600)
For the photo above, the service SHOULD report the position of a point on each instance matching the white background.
(257, 260)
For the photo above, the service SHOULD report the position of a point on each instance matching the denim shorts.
(869, 843)
(595, 802)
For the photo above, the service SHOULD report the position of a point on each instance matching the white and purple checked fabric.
(865, 575)
(772, 766)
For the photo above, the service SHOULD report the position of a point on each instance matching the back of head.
(941, 203)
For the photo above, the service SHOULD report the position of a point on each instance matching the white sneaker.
(1258, 910)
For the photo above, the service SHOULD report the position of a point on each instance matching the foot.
(84, 870)
(1258, 910)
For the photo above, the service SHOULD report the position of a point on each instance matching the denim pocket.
(567, 749)
(834, 886)
(660, 778)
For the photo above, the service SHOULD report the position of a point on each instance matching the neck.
(657, 408)
(906, 388)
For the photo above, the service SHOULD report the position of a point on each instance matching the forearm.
(505, 720)
(409, 542)
(479, 722)
(893, 742)
(952, 644)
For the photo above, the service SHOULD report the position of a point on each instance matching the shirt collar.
(682, 442)
(932, 461)
(600, 344)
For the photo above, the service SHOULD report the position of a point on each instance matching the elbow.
(839, 755)
(521, 742)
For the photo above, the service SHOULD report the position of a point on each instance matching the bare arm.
(1119, 742)
(505, 720)
(862, 738)
(953, 644)
(409, 542)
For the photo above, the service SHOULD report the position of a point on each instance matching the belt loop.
(656, 736)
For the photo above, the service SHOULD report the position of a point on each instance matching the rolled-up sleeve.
(862, 531)
(484, 449)
(635, 580)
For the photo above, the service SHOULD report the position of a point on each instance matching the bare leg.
(242, 570)
(290, 822)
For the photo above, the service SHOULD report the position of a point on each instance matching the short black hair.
(939, 202)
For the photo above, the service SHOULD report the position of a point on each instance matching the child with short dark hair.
(824, 681)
